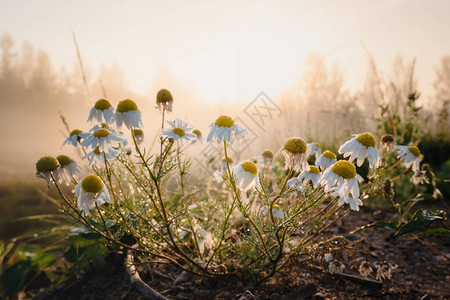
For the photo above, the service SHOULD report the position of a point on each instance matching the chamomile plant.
(246, 217)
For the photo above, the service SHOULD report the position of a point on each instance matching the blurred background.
(329, 69)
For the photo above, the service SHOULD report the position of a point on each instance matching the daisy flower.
(128, 113)
(387, 142)
(313, 149)
(359, 147)
(294, 183)
(246, 175)
(218, 174)
(69, 168)
(221, 129)
(354, 203)
(178, 130)
(103, 138)
(97, 157)
(89, 191)
(198, 135)
(164, 100)
(294, 151)
(410, 156)
(312, 174)
(74, 138)
(276, 211)
(101, 126)
(325, 160)
(46, 167)
(343, 174)
(102, 110)
(139, 135)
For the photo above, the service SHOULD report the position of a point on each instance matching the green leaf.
(420, 220)
(434, 231)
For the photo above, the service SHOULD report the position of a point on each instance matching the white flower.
(419, 177)
(410, 156)
(164, 100)
(294, 183)
(128, 113)
(276, 211)
(178, 130)
(97, 157)
(89, 191)
(336, 267)
(267, 156)
(343, 174)
(102, 138)
(312, 174)
(294, 151)
(102, 110)
(138, 135)
(359, 147)
(74, 138)
(313, 149)
(69, 168)
(198, 135)
(384, 270)
(325, 160)
(46, 167)
(246, 175)
(221, 129)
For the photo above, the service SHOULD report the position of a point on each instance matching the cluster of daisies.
(105, 141)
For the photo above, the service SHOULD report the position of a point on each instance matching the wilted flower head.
(74, 137)
(69, 168)
(139, 135)
(46, 167)
(128, 113)
(313, 149)
(419, 177)
(246, 175)
(178, 130)
(410, 156)
(294, 151)
(102, 110)
(387, 142)
(360, 147)
(164, 100)
(336, 267)
(384, 270)
(222, 128)
(325, 160)
(89, 191)
(365, 269)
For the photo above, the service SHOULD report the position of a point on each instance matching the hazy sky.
(233, 49)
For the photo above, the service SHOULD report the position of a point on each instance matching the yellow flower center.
(267, 153)
(178, 131)
(76, 131)
(250, 167)
(295, 145)
(318, 145)
(227, 159)
(64, 160)
(414, 150)
(164, 96)
(138, 132)
(47, 163)
(102, 104)
(96, 150)
(329, 154)
(275, 206)
(344, 169)
(126, 105)
(92, 184)
(387, 139)
(366, 139)
(104, 125)
(101, 133)
(197, 132)
(313, 170)
(224, 121)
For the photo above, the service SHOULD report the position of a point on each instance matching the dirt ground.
(420, 274)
